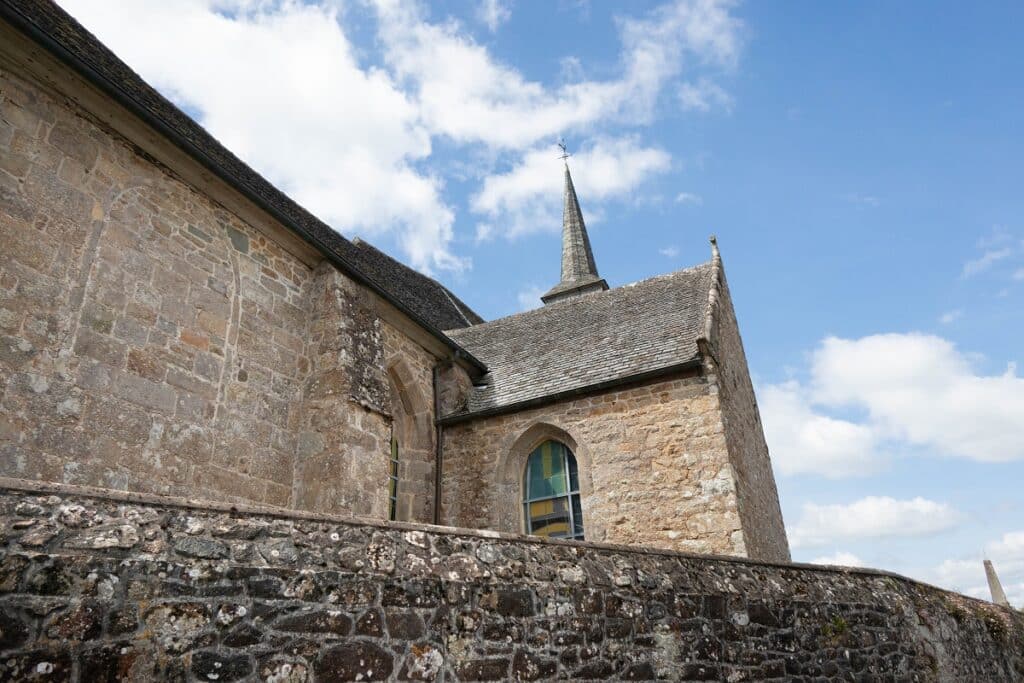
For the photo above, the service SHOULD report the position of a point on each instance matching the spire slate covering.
(579, 272)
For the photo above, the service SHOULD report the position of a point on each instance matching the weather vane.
(565, 151)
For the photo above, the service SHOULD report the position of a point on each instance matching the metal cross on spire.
(565, 151)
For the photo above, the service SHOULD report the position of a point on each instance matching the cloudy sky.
(860, 163)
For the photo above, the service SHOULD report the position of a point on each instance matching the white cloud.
(872, 517)
(962, 576)
(985, 261)
(493, 13)
(526, 200)
(920, 389)
(908, 390)
(689, 198)
(703, 96)
(1009, 548)
(967, 575)
(803, 441)
(529, 298)
(950, 316)
(281, 86)
(841, 559)
(670, 251)
(997, 236)
(467, 95)
(570, 68)
(1018, 274)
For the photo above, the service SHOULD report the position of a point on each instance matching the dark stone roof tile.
(589, 340)
(427, 297)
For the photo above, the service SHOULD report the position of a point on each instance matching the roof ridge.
(713, 290)
(568, 302)
(458, 304)
(454, 303)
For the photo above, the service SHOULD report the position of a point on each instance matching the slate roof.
(57, 32)
(424, 295)
(575, 344)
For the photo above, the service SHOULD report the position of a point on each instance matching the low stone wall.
(98, 586)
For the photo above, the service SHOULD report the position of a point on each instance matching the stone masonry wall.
(343, 416)
(653, 461)
(136, 588)
(758, 498)
(152, 341)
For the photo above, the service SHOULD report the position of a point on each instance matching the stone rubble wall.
(98, 586)
(653, 462)
(151, 340)
(764, 534)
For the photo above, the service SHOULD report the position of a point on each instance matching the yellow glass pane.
(542, 508)
(549, 517)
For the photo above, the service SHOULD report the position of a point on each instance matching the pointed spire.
(579, 272)
(994, 587)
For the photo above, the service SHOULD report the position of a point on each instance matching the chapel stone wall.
(653, 460)
(151, 340)
(758, 498)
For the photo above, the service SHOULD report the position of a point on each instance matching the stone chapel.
(172, 323)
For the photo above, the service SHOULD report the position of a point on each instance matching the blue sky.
(859, 162)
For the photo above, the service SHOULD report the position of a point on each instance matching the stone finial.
(715, 254)
(579, 272)
(994, 587)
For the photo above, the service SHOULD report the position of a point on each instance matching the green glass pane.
(546, 473)
(574, 475)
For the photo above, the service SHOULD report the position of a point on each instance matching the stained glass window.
(393, 481)
(551, 489)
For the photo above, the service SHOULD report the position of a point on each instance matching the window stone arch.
(412, 427)
(509, 513)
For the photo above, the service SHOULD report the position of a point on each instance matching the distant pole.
(994, 587)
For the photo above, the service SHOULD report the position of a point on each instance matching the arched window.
(393, 481)
(551, 493)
